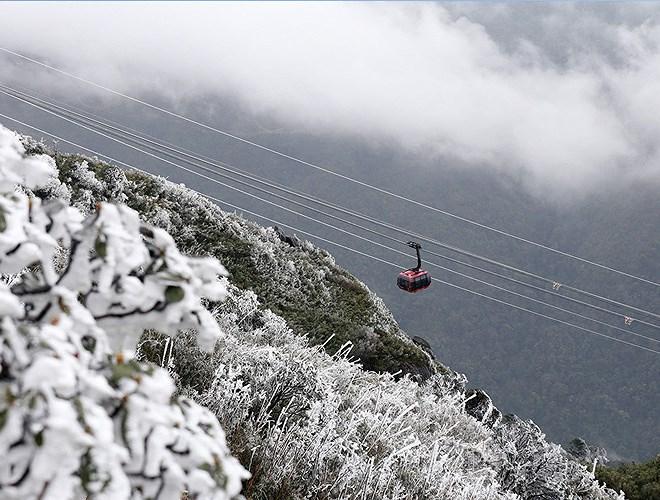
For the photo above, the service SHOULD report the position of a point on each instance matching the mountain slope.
(307, 421)
(290, 277)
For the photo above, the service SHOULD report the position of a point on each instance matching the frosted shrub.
(534, 468)
(309, 425)
(75, 419)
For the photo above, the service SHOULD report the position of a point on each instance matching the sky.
(563, 97)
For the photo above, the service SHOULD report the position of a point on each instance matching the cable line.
(182, 156)
(387, 236)
(357, 225)
(390, 249)
(398, 266)
(329, 171)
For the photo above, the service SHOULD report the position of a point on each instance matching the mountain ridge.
(305, 279)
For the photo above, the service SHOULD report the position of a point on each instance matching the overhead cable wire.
(387, 236)
(331, 172)
(131, 167)
(399, 252)
(183, 156)
(349, 222)
(446, 283)
(163, 149)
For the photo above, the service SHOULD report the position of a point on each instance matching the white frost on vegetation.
(307, 424)
(77, 420)
(318, 426)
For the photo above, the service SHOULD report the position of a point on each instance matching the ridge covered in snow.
(318, 391)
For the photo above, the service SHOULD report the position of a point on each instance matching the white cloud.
(425, 77)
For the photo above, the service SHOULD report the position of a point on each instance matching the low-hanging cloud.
(441, 81)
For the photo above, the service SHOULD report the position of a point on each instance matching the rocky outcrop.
(423, 344)
(479, 405)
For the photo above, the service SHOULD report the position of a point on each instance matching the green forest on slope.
(639, 481)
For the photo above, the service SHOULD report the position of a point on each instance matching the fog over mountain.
(539, 119)
(560, 97)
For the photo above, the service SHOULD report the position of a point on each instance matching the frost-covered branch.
(79, 416)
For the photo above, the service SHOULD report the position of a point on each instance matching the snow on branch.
(78, 415)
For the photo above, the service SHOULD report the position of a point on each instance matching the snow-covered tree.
(79, 416)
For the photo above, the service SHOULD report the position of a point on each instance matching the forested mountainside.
(286, 385)
(639, 481)
(571, 383)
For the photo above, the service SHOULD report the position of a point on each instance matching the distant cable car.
(415, 279)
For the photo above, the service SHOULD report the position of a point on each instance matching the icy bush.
(310, 425)
(534, 468)
(78, 416)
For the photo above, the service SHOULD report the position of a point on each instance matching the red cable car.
(414, 279)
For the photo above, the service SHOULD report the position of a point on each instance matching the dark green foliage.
(194, 367)
(151, 346)
(637, 481)
(350, 319)
(174, 294)
(129, 369)
(86, 472)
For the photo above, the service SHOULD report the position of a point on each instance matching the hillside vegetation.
(287, 385)
(638, 481)
(292, 278)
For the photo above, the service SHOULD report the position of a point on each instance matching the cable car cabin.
(413, 280)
